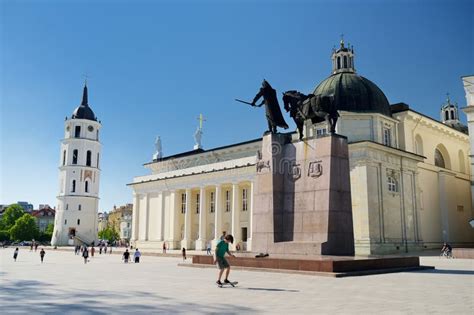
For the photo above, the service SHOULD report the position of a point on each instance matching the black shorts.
(222, 263)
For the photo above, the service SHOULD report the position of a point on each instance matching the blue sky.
(154, 66)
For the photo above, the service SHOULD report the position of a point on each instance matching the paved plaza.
(65, 285)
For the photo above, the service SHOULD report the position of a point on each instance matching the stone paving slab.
(65, 285)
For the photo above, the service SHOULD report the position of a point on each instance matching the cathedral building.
(409, 173)
(79, 173)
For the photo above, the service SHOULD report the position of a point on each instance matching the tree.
(110, 234)
(47, 234)
(25, 228)
(4, 236)
(11, 214)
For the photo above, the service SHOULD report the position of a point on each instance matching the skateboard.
(232, 284)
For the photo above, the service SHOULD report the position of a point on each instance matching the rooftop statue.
(158, 153)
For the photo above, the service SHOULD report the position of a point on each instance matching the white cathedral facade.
(410, 177)
(79, 174)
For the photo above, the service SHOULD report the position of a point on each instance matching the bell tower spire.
(85, 101)
(343, 58)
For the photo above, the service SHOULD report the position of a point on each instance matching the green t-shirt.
(222, 248)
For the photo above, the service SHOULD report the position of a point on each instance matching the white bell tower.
(79, 174)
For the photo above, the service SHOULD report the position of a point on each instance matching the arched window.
(88, 158)
(452, 114)
(86, 186)
(64, 157)
(446, 115)
(97, 134)
(78, 221)
(418, 145)
(74, 156)
(97, 160)
(77, 133)
(79, 207)
(345, 61)
(462, 163)
(73, 186)
(392, 184)
(352, 62)
(338, 62)
(439, 159)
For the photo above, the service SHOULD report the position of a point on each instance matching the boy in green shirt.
(222, 248)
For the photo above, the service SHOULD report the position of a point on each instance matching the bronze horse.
(315, 107)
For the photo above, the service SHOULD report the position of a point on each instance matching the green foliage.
(4, 236)
(24, 229)
(11, 214)
(47, 234)
(49, 229)
(109, 233)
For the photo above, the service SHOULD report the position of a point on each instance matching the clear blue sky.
(155, 65)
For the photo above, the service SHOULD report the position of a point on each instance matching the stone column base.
(186, 244)
(200, 244)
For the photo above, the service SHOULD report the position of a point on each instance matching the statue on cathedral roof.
(158, 153)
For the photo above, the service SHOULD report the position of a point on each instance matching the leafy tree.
(4, 236)
(110, 234)
(11, 214)
(47, 234)
(25, 228)
(49, 229)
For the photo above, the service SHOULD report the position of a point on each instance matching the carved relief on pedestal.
(260, 163)
(294, 172)
(315, 169)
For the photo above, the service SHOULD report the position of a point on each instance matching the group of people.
(16, 251)
(136, 256)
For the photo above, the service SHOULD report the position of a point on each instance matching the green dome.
(354, 93)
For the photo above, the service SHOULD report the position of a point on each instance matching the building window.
(345, 61)
(387, 137)
(183, 203)
(67, 206)
(321, 132)
(77, 133)
(65, 222)
(97, 134)
(392, 184)
(439, 159)
(78, 221)
(86, 186)
(338, 63)
(244, 199)
(97, 160)
(73, 186)
(88, 158)
(79, 207)
(452, 114)
(197, 202)
(227, 200)
(212, 202)
(460, 208)
(74, 156)
(64, 157)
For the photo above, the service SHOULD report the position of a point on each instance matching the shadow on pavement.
(271, 289)
(35, 297)
(447, 271)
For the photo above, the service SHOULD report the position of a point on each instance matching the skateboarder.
(221, 249)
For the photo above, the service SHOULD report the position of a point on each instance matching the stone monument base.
(338, 266)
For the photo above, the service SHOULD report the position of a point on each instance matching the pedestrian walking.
(183, 251)
(137, 256)
(164, 247)
(15, 254)
(208, 248)
(110, 251)
(105, 248)
(92, 251)
(100, 249)
(42, 253)
(223, 235)
(126, 256)
(85, 254)
(36, 246)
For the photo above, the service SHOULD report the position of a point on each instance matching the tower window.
(227, 200)
(64, 157)
(387, 137)
(65, 222)
(212, 203)
(74, 156)
(345, 61)
(77, 132)
(86, 186)
(67, 206)
(97, 160)
(79, 207)
(97, 135)
(88, 158)
(78, 221)
(183, 203)
(198, 197)
(392, 184)
(338, 62)
(73, 186)
(244, 199)
(446, 115)
(452, 114)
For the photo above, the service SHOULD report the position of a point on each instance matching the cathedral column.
(235, 216)
(147, 217)
(218, 214)
(201, 241)
(186, 241)
(161, 231)
(173, 241)
(249, 238)
(135, 213)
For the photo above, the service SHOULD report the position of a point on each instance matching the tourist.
(42, 253)
(208, 248)
(36, 246)
(447, 250)
(85, 254)
(105, 248)
(221, 249)
(110, 251)
(15, 254)
(164, 248)
(125, 256)
(31, 247)
(183, 251)
(137, 256)
(92, 251)
(223, 235)
(100, 249)
(76, 249)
